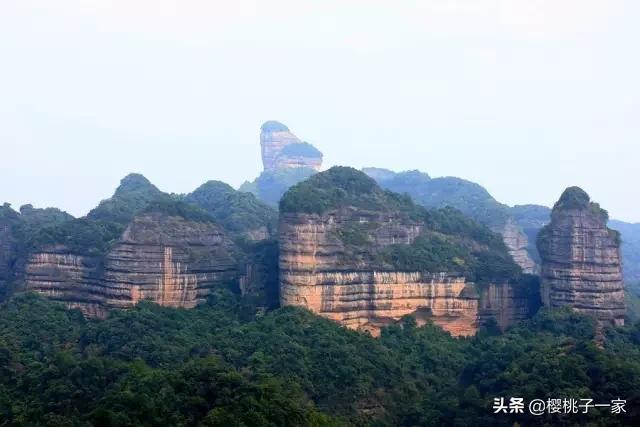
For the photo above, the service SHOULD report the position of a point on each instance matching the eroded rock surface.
(335, 260)
(518, 244)
(581, 265)
(165, 259)
(281, 149)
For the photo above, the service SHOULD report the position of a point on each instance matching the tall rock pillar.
(581, 265)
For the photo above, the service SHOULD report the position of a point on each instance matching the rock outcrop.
(518, 244)
(334, 261)
(281, 149)
(581, 265)
(166, 259)
(468, 197)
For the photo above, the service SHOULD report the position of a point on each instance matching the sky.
(525, 97)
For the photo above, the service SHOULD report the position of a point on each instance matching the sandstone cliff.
(281, 149)
(468, 197)
(518, 244)
(368, 258)
(581, 265)
(163, 258)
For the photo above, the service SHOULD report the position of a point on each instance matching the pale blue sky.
(524, 97)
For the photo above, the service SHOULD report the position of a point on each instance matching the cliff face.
(518, 244)
(364, 257)
(320, 272)
(508, 304)
(74, 279)
(166, 259)
(470, 198)
(281, 149)
(581, 265)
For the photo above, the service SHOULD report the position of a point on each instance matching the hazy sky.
(524, 97)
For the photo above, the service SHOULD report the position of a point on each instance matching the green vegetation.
(271, 185)
(339, 187)
(577, 198)
(221, 365)
(236, 211)
(451, 242)
(133, 195)
(466, 196)
(171, 207)
(301, 149)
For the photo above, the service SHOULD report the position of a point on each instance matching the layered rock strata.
(518, 244)
(165, 259)
(320, 272)
(581, 265)
(281, 149)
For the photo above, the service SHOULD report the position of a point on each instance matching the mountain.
(519, 225)
(366, 257)
(469, 198)
(287, 161)
(238, 212)
(630, 251)
(142, 243)
(581, 265)
(18, 234)
(281, 149)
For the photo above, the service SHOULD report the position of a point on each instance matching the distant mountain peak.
(281, 149)
(273, 126)
(135, 182)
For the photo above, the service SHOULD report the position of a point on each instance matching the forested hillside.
(221, 364)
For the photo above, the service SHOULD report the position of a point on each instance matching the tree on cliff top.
(450, 241)
(575, 198)
(133, 195)
(301, 149)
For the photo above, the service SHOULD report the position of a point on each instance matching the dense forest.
(225, 364)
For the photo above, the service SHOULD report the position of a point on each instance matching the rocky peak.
(581, 265)
(135, 183)
(281, 149)
(132, 195)
(365, 257)
(170, 253)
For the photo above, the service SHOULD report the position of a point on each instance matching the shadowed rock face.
(166, 259)
(518, 244)
(581, 265)
(281, 149)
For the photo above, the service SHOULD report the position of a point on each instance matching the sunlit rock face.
(165, 259)
(281, 149)
(319, 273)
(71, 278)
(581, 265)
